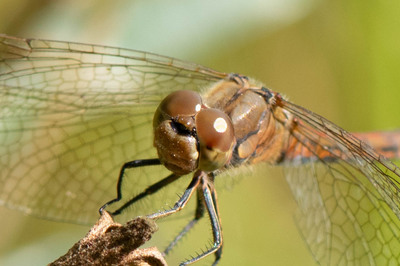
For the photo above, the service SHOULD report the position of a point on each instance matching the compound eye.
(174, 131)
(216, 138)
(181, 103)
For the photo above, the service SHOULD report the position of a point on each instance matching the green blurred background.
(338, 58)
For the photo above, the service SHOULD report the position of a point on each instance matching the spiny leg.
(210, 199)
(199, 213)
(208, 195)
(181, 203)
(148, 191)
(218, 253)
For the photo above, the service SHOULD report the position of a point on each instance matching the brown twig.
(110, 243)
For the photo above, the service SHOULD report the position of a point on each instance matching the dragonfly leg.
(199, 213)
(210, 199)
(181, 203)
(148, 191)
(128, 165)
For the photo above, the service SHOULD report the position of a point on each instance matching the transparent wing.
(348, 195)
(70, 116)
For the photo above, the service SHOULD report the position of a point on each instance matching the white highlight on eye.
(198, 107)
(220, 125)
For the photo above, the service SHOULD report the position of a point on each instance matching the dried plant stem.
(110, 243)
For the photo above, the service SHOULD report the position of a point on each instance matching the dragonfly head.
(188, 135)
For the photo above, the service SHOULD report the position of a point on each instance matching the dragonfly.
(71, 114)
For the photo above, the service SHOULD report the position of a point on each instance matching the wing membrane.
(71, 114)
(348, 195)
